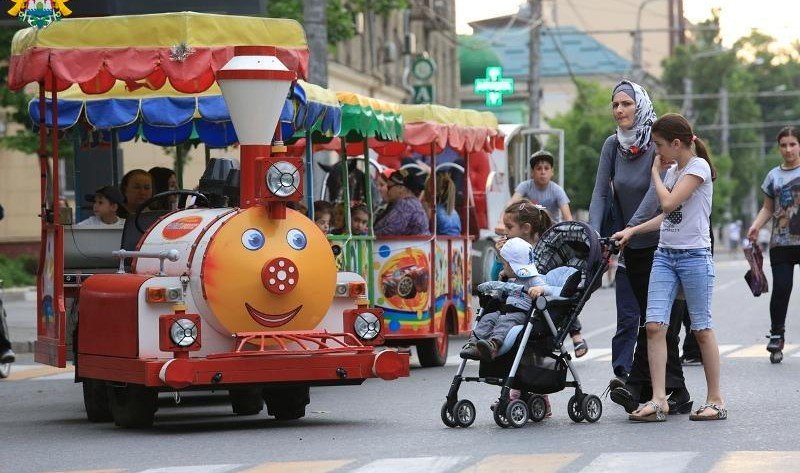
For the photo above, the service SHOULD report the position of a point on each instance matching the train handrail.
(326, 342)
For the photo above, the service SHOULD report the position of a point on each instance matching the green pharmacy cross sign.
(494, 85)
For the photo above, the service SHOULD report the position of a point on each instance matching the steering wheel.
(149, 201)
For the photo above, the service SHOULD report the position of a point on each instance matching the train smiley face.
(261, 273)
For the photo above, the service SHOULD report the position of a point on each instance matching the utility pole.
(724, 121)
(534, 83)
(687, 107)
(316, 26)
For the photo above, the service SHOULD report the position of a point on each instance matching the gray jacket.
(636, 193)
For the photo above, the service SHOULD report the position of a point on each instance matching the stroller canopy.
(572, 244)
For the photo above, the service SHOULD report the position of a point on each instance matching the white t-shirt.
(687, 226)
(94, 221)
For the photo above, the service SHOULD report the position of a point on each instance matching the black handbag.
(612, 217)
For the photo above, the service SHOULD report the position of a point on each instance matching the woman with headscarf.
(623, 182)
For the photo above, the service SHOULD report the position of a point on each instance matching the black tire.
(447, 416)
(246, 401)
(464, 413)
(592, 408)
(287, 403)
(482, 268)
(433, 351)
(406, 288)
(537, 408)
(133, 406)
(517, 413)
(574, 408)
(95, 401)
(776, 357)
(500, 417)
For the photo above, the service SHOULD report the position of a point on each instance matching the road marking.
(756, 462)
(633, 462)
(727, 348)
(593, 355)
(411, 465)
(114, 470)
(758, 351)
(194, 469)
(34, 371)
(544, 463)
(298, 467)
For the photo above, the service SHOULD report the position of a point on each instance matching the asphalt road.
(395, 426)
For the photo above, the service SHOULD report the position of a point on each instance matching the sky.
(778, 18)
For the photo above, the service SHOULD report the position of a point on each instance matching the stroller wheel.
(592, 408)
(464, 413)
(517, 413)
(500, 415)
(574, 408)
(447, 417)
(537, 407)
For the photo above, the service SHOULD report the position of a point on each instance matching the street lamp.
(255, 84)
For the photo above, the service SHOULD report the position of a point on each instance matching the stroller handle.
(611, 245)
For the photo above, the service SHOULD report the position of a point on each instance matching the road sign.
(423, 93)
(494, 86)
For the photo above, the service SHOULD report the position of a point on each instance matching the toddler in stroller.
(531, 356)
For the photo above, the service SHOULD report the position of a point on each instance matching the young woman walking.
(683, 258)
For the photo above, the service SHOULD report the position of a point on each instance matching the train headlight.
(183, 332)
(367, 325)
(283, 179)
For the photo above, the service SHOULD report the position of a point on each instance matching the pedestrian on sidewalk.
(683, 259)
(624, 169)
(781, 190)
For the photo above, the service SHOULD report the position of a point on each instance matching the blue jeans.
(693, 269)
(628, 319)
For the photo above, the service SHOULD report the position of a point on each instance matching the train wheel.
(287, 404)
(246, 401)
(433, 351)
(95, 401)
(133, 406)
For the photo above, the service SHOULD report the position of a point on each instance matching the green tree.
(711, 68)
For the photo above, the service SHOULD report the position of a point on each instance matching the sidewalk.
(20, 305)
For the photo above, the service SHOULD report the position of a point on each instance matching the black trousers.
(639, 263)
(782, 260)
(5, 343)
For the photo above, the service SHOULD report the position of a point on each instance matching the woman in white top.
(683, 258)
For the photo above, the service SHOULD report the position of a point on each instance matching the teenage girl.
(683, 258)
(781, 190)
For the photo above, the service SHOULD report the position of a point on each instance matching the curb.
(16, 294)
(22, 347)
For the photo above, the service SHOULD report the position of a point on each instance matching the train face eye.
(252, 239)
(296, 239)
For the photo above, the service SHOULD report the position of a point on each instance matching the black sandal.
(581, 345)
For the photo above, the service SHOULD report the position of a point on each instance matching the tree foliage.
(754, 65)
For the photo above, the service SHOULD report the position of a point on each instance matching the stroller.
(533, 358)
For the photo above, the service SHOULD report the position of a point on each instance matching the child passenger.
(491, 330)
(106, 203)
(323, 213)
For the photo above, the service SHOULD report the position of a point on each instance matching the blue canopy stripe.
(171, 120)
